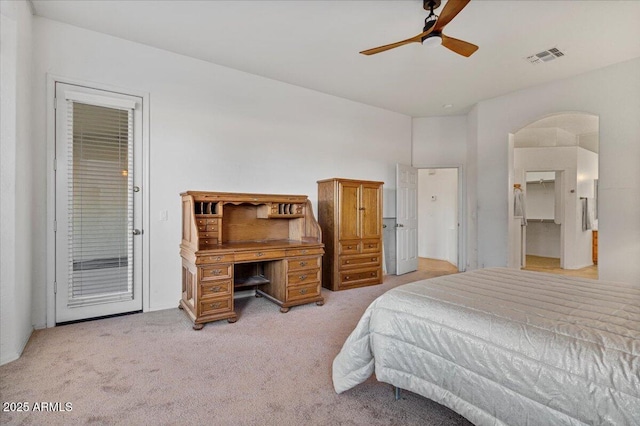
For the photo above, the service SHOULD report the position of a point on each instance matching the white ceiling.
(315, 44)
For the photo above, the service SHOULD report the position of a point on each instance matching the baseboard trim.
(15, 355)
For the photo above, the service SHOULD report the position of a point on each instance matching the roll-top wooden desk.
(232, 241)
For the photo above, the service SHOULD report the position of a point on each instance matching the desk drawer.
(304, 252)
(216, 272)
(302, 263)
(208, 235)
(303, 277)
(215, 288)
(259, 255)
(216, 258)
(359, 261)
(207, 222)
(303, 291)
(216, 306)
(208, 228)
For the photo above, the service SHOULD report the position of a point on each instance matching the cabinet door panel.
(371, 211)
(349, 219)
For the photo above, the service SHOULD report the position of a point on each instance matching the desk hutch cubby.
(234, 241)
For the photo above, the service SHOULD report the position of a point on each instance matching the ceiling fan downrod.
(430, 20)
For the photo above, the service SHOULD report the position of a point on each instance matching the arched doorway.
(555, 173)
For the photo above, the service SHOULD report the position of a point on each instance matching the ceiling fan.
(432, 31)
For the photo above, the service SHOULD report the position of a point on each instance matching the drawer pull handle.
(215, 305)
(305, 251)
(373, 274)
(303, 291)
(348, 261)
(346, 278)
(217, 272)
(218, 258)
(373, 259)
(349, 247)
(303, 277)
(370, 245)
(260, 254)
(216, 289)
(303, 263)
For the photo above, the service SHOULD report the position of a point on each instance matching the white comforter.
(501, 346)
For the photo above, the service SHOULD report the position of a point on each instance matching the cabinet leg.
(232, 320)
(180, 306)
(198, 326)
(320, 302)
(284, 310)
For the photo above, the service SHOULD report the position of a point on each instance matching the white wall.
(439, 141)
(471, 188)
(612, 93)
(214, 128)
(17, 192)
(438, 214)
(442, 142)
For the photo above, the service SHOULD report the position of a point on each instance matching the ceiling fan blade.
(416, 39)
(451, 9)
(459, 46)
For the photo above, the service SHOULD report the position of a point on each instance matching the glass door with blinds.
(98, 203)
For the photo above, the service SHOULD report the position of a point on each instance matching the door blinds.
(100, 172)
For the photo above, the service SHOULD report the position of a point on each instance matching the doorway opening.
(438, 205)
(439, 191)
(555, 175)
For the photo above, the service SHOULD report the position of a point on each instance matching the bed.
(505, 347)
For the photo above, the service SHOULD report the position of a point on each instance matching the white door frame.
(51, 188)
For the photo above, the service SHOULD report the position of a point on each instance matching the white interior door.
(98, 203)
(407, 219)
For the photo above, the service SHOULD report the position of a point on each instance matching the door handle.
(136, 232)
(399, 225)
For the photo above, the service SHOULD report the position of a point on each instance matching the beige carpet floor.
(268, 368)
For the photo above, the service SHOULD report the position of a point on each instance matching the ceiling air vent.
(545, 56)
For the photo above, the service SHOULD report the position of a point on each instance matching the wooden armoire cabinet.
(350, 215)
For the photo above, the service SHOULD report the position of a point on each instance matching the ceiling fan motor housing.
(431, 4)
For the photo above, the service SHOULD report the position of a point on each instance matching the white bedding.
(501, 346)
